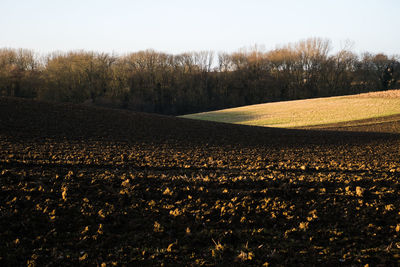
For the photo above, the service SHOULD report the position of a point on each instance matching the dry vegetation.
(311, 112)
(381, 94)
(105, 187)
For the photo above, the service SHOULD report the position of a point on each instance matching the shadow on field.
(28, 119)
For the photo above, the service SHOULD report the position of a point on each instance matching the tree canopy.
(190, 82)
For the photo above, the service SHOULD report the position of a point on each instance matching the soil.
(386, 124)
(91, 186)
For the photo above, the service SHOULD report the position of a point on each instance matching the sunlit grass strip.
(310, 111)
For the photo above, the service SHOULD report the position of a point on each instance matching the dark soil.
(92, 186)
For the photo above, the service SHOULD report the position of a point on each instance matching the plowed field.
(91, 186)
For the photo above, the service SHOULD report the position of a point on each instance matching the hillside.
(313, 112)
(28, 119)
(90, 186)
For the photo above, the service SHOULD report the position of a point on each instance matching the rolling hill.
(344, 112)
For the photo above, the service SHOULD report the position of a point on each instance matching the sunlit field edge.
(309, 112)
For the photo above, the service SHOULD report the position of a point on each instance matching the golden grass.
(310, 112)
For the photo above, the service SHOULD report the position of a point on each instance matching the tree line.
(159, 82)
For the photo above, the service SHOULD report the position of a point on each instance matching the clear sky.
(175, 26)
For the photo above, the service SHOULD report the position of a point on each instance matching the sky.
(176, 26)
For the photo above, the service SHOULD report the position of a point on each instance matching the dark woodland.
(192, 82)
